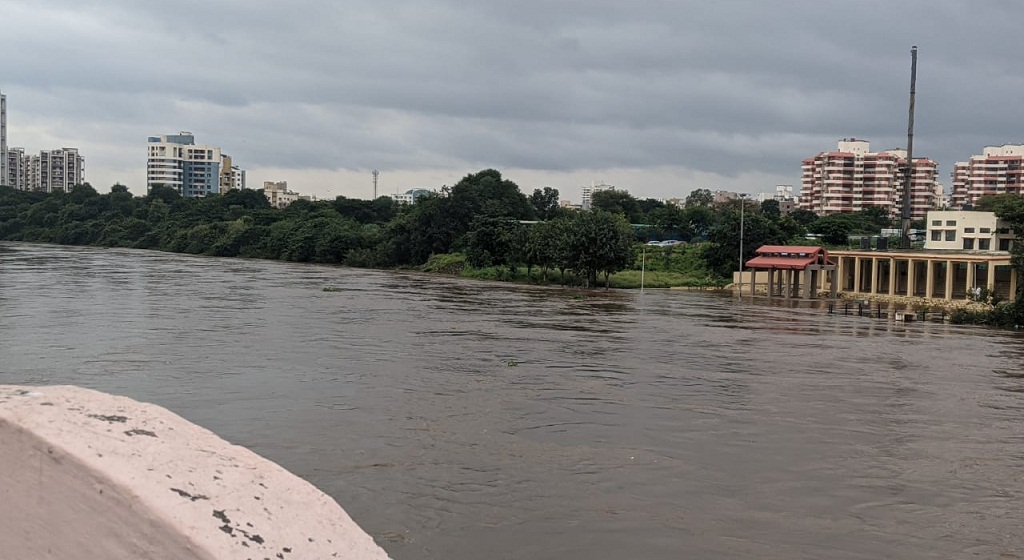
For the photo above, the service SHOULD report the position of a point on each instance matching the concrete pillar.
(971, 276)
(874, 275)
(1013, 283)
(789, 283)
(753, 281)
(893, 277)
(929, 278)
(990, 278)
(856, 275)
(949, 279)
(808, 274)
(911, 278)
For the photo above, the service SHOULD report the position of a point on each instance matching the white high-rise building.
(194, 171)
(588, 193)
(54, 170)
(4, 178)
(16, 172)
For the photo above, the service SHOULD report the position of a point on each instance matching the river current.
(469, 420)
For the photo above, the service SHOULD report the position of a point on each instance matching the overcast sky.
(659, 97)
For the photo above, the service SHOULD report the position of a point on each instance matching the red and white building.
(996, 171)
(853, 178)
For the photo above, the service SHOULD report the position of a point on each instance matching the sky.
(659, 97)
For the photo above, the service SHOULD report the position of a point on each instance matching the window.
(951, 223)
(968, 243)
(1004, 244)
(984, 244)
(936, 222)
(950, 235)
(936, 235)
(986, 230)
(968, 230)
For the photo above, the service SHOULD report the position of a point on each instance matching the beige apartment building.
(996, 171)
(853, 178)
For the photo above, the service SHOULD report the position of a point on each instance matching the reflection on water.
(662, 425)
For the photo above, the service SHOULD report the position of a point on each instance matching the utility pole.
(909, 172)
(375, 175)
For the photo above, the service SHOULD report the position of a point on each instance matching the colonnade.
(928, 275)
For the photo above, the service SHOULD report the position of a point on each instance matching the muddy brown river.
(464, 420)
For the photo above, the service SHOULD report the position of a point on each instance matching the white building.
(4, 177)
(193, 170)
(588, 193)
(16, 164)
(54, 170)
(967, 231)
(410, 196)
(278, 195)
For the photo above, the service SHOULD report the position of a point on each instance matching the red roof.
(788, 256)
(799, 263)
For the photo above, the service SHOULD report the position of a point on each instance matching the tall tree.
(545, 203)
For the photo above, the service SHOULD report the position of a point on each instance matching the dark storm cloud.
(724, 88)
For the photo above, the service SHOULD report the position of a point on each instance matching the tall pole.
(909, 172)
(375, 175)
(742, 206)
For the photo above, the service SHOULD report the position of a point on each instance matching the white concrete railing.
(86, 475)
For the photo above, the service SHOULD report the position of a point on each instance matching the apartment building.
(231, 177)
(4, 173)
(410, 196)
(54, 170)
(587, 193)
(16, 172)
(853, 178)
(176, 161)
(996, 171)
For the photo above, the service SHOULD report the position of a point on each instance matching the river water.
(657, 425)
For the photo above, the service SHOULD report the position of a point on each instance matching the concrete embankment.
(86, 475)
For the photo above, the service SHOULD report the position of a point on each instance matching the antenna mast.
(909, 171)
(375, 175)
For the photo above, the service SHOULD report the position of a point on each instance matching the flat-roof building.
(854, 178)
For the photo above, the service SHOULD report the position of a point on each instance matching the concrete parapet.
(86, 475)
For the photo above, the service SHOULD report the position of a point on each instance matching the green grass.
(630, 279)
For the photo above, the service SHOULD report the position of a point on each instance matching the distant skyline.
(656, 97)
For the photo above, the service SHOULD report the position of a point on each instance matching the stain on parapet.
(110, 418)
(185, 494)
(138, 432)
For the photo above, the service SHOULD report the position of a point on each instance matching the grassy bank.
(664, 269)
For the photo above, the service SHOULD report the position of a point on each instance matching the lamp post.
(743, 203)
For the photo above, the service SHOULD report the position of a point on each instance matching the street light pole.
(742, 206)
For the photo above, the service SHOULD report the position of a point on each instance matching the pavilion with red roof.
(792, 270)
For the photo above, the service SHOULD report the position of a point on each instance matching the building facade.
(193, 170)
(967, 231)
(54, 170)
(996, 171)
(853, 178)
(278, 195)
(410, 196)
(587, 193)
(16, 169)
(4, 173)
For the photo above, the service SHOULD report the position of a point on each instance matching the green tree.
(545, 203)
(699, 197)
(770, 209)
(599, 243)
(617, 202)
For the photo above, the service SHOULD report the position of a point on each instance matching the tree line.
(485, 219)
